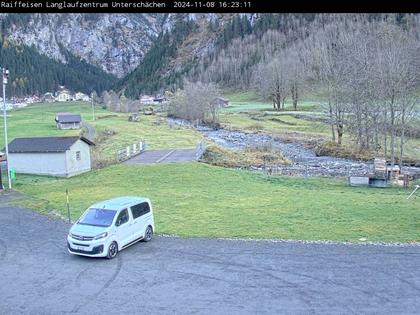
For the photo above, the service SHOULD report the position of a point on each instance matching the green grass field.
(249, 101)
(38, 120)
(247, 112)
(274, 124)
(196, 199)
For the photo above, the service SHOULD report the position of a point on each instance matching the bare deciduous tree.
(196, 102)
(271, 81)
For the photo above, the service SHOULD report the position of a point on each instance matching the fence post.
(130, 150)
(68, 204)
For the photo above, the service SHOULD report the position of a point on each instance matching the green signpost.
(12, 174)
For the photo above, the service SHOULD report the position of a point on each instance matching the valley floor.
(197, 199)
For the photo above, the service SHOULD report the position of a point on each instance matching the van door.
(141, 215)
(123, 228)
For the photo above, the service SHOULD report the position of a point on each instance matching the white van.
(107, 227)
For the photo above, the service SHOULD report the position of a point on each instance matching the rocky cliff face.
(114, 42)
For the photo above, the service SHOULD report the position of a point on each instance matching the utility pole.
(6, 143)
(93, 107)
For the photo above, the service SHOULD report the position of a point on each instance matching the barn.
(54, 156)
(68, 121)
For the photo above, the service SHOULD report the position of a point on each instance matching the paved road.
(163, 156)
(199, 276)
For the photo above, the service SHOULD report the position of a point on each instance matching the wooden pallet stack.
(380, 168)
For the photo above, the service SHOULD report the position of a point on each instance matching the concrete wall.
(74, 166)
(39, 163)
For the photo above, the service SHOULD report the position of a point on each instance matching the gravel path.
(172, 275)
(90, 131)
(304, 161)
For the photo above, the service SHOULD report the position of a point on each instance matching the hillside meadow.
(113, 130)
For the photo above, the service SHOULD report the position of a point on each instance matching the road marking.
(165, 156)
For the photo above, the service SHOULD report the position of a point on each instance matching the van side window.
(122, 217)
(140, 209)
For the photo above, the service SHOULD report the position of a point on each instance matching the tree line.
(151, 75)
(369, 74)
(33, 73)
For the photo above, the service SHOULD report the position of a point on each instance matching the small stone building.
(54, 156)
(68, 121)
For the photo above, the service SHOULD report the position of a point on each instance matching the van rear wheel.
(112, 250)
(148, 234)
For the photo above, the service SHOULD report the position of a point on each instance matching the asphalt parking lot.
(199, 276)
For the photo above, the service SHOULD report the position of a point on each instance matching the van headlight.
(103, 235)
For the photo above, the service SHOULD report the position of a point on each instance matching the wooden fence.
(130, 151)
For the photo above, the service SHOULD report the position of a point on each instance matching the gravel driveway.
(199, 276)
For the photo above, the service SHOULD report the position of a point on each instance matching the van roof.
(119, 202)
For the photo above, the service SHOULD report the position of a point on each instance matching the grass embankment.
(196, 199)
(255, 157)
(115, 133)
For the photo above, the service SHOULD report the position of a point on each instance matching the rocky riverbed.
(304, 161)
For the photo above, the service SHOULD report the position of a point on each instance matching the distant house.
(48, 97)
(20, 105)
(147, 99)
(32, 99)
(159, 99)
(68, 121)
(54, 156)
(64, 95)
(222, 102)
(79, 96)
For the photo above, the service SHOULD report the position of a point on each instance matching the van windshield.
(98, 217)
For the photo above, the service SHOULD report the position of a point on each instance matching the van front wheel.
(112, 250)
(148, 234)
